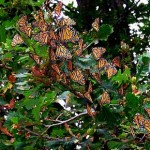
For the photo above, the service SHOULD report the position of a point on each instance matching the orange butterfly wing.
(138, 119)
(22, 21)
(36, 58)
(147, 124)
(58, 8)
(62, 52)
(17, 39)
(26, 29)
(95, 24)
(42, 37)
(77, 76)
(88, 96)
(56, 68)
(102, 63)
(111, 71)
(105, 98)
(98, 52)
(116, 61)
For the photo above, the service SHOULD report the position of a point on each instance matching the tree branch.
(38, 134)
(66, 121)
(62, 122)
(6, 67)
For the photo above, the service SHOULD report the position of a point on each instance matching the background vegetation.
(39, 110)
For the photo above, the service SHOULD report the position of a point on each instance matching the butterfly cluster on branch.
(58, 34)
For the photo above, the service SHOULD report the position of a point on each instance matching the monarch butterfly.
(102, 63)
(68, 34)
(105, 98)
(39, 16)
(77, 76)
(40, 22)
(146, 124)
(70, 65)
(22, 21)
(79, 51)
(88, 96)
(26, 29)
(90, 88)
(52, 43)
(62, 52)
(122, 88)
(96, 76)
(95, 24)
(65, 21)
(36, 58)
(89, 111)
(52, 55)
(98, 52)
(17, 39)
(42, 37)
(56, 69)
(116, 61)
(52, 35)
(138, 120)
(148, 111)
(41, 25)
(111, 71)
(58, 8)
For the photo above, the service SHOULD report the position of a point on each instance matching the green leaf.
(133, 105)
(122, 77)
(57, 132)
(3, 34)
(147, 145)
(36, 113)
(29, 148)
(86, 63)
(49, 97)
(104, 32)
(1, 2)
(115, 144)
(14, 120)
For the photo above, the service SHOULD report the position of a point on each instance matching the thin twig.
(59, 116)
(38, 134)
(65, 121)
(6, 67)
(62, 122)
(88, 45)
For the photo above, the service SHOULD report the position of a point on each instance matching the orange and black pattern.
(77, 76)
